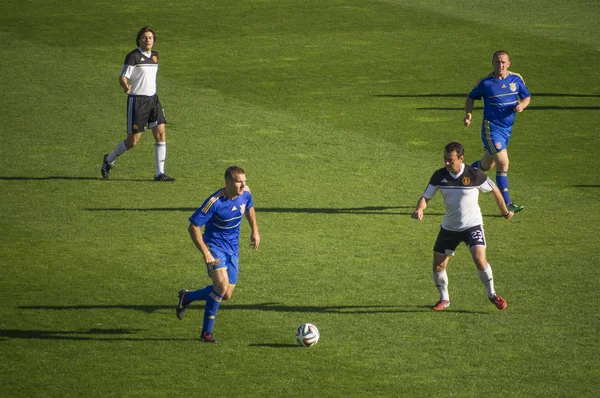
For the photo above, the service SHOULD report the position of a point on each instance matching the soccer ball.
(307, 335)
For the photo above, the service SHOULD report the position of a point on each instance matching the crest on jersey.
(513, 87)
(466, 181)
(498, 145)
(156, 60)
(242, 208)
(134, 127)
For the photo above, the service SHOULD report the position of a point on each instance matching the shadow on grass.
(464, 95)
(277, 345)
(378, 210)
(268, 307)
(89, 334)
(586, 186)
(68, 178)
(529, 108)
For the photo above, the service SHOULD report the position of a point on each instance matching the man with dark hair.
(504, 94)
(460, 185)
(138, 80)
(221, 215)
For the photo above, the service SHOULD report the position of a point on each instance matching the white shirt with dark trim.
(141, 69)
(461, 196)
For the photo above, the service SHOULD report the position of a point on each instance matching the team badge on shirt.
(156, 59)
(498, 145)
(513, 87)
(242, 208)
(466, 181)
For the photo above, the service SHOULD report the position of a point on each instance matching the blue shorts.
(495, 138)
(228, 262)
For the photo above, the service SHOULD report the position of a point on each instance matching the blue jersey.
(222, 218)
(500, 98)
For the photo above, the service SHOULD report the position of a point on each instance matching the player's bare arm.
(469, 103)
(501, 204)
(523, 104)
(124, 82)
(196, 235)
(254, 235)
(421, 205)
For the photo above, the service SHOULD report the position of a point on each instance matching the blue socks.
(213, 301)
(475, 164)
(502, 183)
(210, 311)
(200, 294)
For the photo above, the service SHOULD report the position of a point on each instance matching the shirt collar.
(148, 54)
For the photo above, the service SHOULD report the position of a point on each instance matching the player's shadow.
(81, 335)
(70, 178)
(464, 95)
(267, 307)
(529, 108)
(376, 210)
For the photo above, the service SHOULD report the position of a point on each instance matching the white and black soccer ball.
(307, 335)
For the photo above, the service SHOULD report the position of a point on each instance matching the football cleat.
(163, 177)
(182, 306)
(440, 305)
(499, 302)
(105, 169)
(207, 337)
(514, 208)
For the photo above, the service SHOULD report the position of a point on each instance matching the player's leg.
(440, 279)
(137, 115)
(213, 301)
(477, 247)
(157, 123)
(444, 247)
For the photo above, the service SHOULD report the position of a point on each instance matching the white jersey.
(461, 196)
(141, 69)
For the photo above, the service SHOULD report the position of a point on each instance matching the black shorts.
(142, 111)
(448, 241)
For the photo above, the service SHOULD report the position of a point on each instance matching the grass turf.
(339, 112)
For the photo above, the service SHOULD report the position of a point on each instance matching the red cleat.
(499, 302)
(440, 305)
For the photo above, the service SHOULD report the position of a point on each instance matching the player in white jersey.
(460, 185)
(138, 80)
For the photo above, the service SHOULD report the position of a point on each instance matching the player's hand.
(519, 108)
(210, 260)
(127, 89)
(255, 241)
(418, 215)
(467, 120)
(509, 215)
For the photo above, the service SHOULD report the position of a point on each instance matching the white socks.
(488, 280)
(441, 282)
(119, 150)
(160, 154)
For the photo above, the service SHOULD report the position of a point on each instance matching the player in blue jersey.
(221, 216)
(504, 93)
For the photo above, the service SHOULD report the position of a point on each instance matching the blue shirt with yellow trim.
(222, 218)
(500, 96)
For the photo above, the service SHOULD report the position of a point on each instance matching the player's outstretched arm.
(501, 204)
(469, 104)
(421, 205)
(254, 235)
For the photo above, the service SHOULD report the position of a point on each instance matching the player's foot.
(499, 302)
(514, 208)
(207, 337)
(440, 305)
(163, 177)
(105, 169)
(183, 305)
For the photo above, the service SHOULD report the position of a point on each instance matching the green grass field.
(338, 111)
